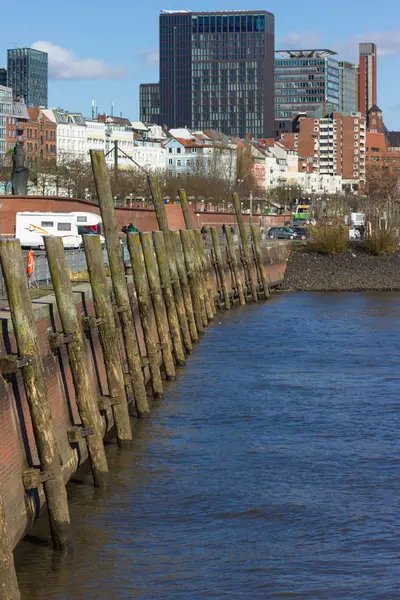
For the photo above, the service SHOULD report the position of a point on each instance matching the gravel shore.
(350, 271)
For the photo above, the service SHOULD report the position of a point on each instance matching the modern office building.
(348, 84)
(217, 71)
(3, 77)
(368, 78)
(304, 79)
(28, 75)
(150, 103)
(6, 111)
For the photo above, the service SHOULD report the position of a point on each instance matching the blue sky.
(104, 51)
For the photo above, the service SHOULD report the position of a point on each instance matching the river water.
(270, 470)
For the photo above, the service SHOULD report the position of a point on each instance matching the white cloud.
(65, 64)
(150, 56)
(388, 44)
(298, 40)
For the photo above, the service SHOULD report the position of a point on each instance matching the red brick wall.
(144, 219)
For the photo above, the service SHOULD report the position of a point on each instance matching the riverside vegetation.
(330, 262)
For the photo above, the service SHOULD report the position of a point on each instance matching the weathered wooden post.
(232, 258)
(117, 270)
(32, 371)
(86, 396)
(245, 248)
(208, 293)
(169, 300)
(194, 283)
(255, 233)
(108, 335)
(8, 578)
(145, 311)
(185, 208)
(220, 266)
(162, 220)
(197, 267)
(183, 278)
(158, 304)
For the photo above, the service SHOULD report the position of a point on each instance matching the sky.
(104, 51)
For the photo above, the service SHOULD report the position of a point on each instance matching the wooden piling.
(255, 233)
(108, 335)
(185, 208)
(36, 392)
(232, 258)
(208, 292)
(158, 304)
(220, 266)
(145, 311)
(169, 300)
(117, 270)
(194, 284)
(86, 395)
(247, 262)
(9, 589)
(183, 278)
(162, 220)
(198, 270)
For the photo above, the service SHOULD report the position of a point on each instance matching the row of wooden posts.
(171, 281)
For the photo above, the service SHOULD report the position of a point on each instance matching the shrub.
(329, 238)
(381, 241)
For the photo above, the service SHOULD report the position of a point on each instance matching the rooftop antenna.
(112, 107)
(93, 110)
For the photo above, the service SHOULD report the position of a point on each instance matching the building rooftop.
(315, 53)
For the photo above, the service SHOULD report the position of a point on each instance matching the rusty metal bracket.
(11, 363)
(58, 339)
(92, 322)
(105, 402)
(77, 433)
(33, 478)
(119, 309)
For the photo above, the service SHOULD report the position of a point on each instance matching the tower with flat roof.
(27, 75)
(368, 77)
(217, 71)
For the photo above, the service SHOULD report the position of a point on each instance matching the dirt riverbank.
(353, 270)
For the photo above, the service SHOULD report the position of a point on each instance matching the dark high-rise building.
(150, 103)
(217, 71)
(28, 75)
(3, 77)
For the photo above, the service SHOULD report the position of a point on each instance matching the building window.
(355, 128)
(355, 144)
(178, 150)
(170, 161)
(170, 173)
(47, 224)
(194, 149)
(188, 163)
(170, 150)
(178, 163)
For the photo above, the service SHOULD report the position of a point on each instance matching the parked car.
(302, 232)
(354, 234)
(282, 233)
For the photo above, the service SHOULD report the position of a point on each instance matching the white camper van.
(32, 227)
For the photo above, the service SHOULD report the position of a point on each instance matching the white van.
(32, 227)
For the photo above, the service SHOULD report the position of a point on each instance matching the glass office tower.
(28, 75)
(304, 79)
(150, 103)
(348, 87)
(217, 71)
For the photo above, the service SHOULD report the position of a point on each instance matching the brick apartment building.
(383, 147)
(336, 144)
(40, 135)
